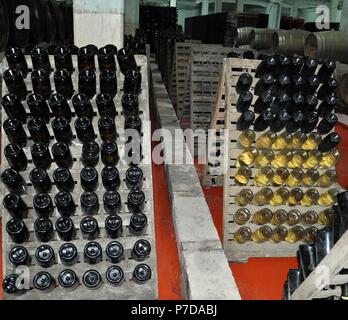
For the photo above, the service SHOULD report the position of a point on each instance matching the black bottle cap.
(65, 228)
(248, 116)
(65, 204)
(17, 230)
(111, 178)
(106, 123)
(115, 251)
(43, 204)
(43, 229)
(134, 177)
(40, 180)
(112, 202)
(40, 73)
(141, 250)
(138, 222)
(104, 99)
(90, 148)
(68, 254)
(89, 179)
(43, 281)
(113, 225)
(13, 181)
(45, 256)
(10, 284)
(330, 142)
(63, 179)
(109, 147)
(92, 279)
(115, 275)
(60, 149)
(93, 252)
(89, 200)
(136, 200)
(246, 96)
(19, 256)
(68, 279)
(142, 273)
(89, 225)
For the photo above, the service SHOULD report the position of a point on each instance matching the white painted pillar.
(240, 5)
(294, 11)
(131, 16)
(205, 7)
(274, 9)
(334, 10)
(98, 22)
(172, 3)
(218, 6)
(344, 20)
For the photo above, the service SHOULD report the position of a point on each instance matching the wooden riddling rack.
(129, 289)
(242, 252)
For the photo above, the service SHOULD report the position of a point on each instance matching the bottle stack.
(283, 176)
(76, 191)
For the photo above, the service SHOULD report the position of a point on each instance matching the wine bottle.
(88, 83)
(62, 130)
(126, 59)
(41, 82)
(280, 176)
(244, 101)
(326, 217)
(328, 198)
(327, 70)
(298, 139)
(244, 83)
(264, 159)
(245, 120)
(312, 84)
(310, 178)
(60, 107)
(296, 104)
(15, 132)
(266, 140)
(89, 203)
(298, 81)
(328, 123)
(92, 279)
(242, 216)
(62, 155)
(329, 142)
(83, 106)
(84, 130)
(43, 229)
(279, 217)
(243, 176)
(15, 206)
(39, 131)
(16, 157)
(330, 159)
(265, 84)
(314, 159)
(106, 105)
(40, 180)
(263, 121)
(295, 122)
(262, 217)
(310, 218)
(244, 197)
(63, 83)
(89, 179)
(327, 105)
(262, 234)
(310, 234)
(86, 59)
(107, 129)
(279, 234)
(282, 159)
(280, 197)
(264, 177)
(310, 104)
(283, 141)
(310, 122)
(247, 138)
(313, 141)
(296, 195)
(15, 83)
(40, 59)
(63, 59)
(130, 105)
(294, 217)
(263, 197)
(295, 234)
(280, 103)
(307, 259)
(68, 280)
(243, 235)
(14, 108)
(106, 59)
(310, 198)
(108, 82)
(268, 64)
(89, 228)
(298, 159)
(327, 179)
(296, 64)
(65, 204)
(247, 157)
(323, 244)
(309, 67)
(16, 60)
(13, 181)
(284, 82)
(328, 88)
(132, 81)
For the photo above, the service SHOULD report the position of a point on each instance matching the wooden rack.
(129, 289)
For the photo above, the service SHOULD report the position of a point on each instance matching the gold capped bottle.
(262, 217)
(279, 217)
(330, 159)
(312, 142)
(325, 217)
(295, 178)
(262, 234)
(264, 177)
(264, 159)
(314, 159)
(282, 142)
(266, 140)
(280, 197)
(296, 195)
(263, 197)
(328, 198)
(282, 159)
(247, 157)
(295, 234)
(298, 139)
(294, 217)
(242, 216)
(327, 179)
(279, 234)
(243, 176)
(247, 138)
(298, 159)
(310, 218)
(310, 197)
(243, 235)
(310, 178)
(280, 176)
(310, 234)
(244, 197)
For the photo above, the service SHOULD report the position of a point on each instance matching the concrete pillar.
(294, 11)
(334, 10)
(240, 5)
(172, 3)
(205, 7)
(218, 6)
(274, 9)
(344, 20)
(98, 22)
(131, 16)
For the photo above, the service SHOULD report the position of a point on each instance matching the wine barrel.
(341, 75)
(37, 21)
(4, 25)
(244, 36)
(51, 25)
(289, 41)
(261, 39)
(18, 37)
(327, 44)
(60, 21)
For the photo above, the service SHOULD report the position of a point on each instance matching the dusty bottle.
(244, 197)
(262, 217)
(243, 235)
(280, 176)
(330, 159)
(90, 154)
(63, 83)
(310, 178)
(279, 217)
(60, 107)
(83, 106)
(262, 234)
(263, 102)
(296, 195)
(244, 101)
(296, 64)
(280, 197)
(264, 159)
(16, 60)
(14, 108)
(314, 159)
(41, 82)
(310, 198)
(313, 141)
(283, 140)
(16, 157)
(15, 132)
(282, 159)
(108, 82)
(243, 176)
(327, 179)
(15, 83)
(295, 178)
(263, 197)
(242, 216)
(327, 124)
(329, 142)
(244, 83)
(264, 177)
(279, 234)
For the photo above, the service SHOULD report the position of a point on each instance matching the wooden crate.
(235, 251)
(129, 290)
(315, 285)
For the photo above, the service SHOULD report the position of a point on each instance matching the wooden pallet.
(235, 251)
(315, 286)
(129, 290)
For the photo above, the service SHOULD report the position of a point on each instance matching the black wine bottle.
(327, 124)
